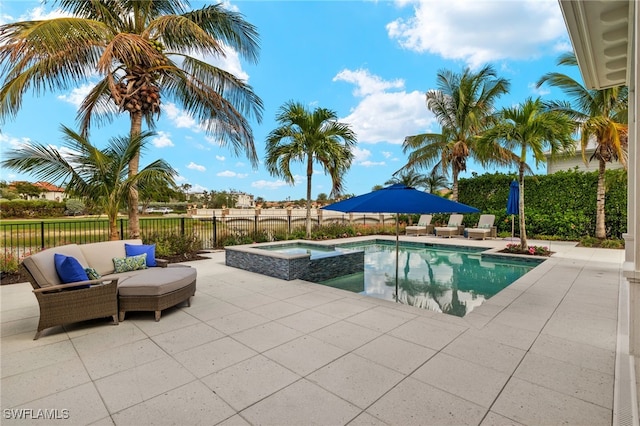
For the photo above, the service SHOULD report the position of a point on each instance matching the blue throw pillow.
(69, 269)
(137, 249)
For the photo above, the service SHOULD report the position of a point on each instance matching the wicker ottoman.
(156, 289)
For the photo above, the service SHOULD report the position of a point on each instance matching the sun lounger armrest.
(162, 263)
(80, 284)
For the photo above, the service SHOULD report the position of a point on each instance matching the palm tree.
(101, 177)
(139, 49)
(601, 115)
(529, 127)
(409, 178)
(463, 105)
(314, 137)
(436, 181)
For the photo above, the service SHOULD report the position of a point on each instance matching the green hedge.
(561, 205)
(28, 209)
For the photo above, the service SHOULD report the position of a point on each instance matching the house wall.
(574, 162)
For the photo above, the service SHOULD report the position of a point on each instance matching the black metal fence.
(22, 239)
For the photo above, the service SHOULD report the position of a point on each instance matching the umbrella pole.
(512, 228)
(397, 250)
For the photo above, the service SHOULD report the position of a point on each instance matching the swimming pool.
(452, 280)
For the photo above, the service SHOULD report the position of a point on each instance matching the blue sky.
(369, 61)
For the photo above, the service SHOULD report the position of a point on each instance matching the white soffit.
(600, 35)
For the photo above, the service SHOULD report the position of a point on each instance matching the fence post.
(255, 225)
(42, 234)
(215, 232)
(182, 226)
(121, 230)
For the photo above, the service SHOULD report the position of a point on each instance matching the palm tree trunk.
(114, 234)
(309, 173)
(601, 230)
(134, 220)
(454, 187)
(523, 230)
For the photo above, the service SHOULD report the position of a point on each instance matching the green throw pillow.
(453, 225)
(484, 226)
(131, 263)
(92, 273)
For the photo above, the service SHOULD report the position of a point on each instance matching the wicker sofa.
(113, 294)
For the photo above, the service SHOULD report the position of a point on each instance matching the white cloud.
(180, 178)
(275, 184)
(180, 118)
(197, 167)
(360, 154)
(366, 83)
(229, 173)
(220, 157)
(197, 189)
(230, 62)
(387, 154)
(538, 91)
(268, 184)
(12, 141)
(40, 13)
(479, 32)
(383, 115)
(77, 95)
(162, 140)
(372, 163)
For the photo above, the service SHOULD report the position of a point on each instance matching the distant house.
(50, 191)
(576, 162)
(243, 200)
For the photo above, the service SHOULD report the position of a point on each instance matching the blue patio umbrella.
(399, 199)
(513, 203)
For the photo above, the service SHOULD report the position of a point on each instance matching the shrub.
(9, 263)
(612, 244)
(532, 250)
(174, 244)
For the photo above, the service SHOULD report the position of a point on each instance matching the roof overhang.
(601, 37)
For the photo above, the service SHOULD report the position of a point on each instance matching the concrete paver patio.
(258, 350)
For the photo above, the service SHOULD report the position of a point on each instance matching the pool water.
(449, 280)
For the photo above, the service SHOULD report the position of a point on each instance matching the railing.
(24, 238)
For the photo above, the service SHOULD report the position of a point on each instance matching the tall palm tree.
(529, 127)
(139, 49)
(100, 176)
(601, 115)
(463, 105)
(409, 178)
(314, 137)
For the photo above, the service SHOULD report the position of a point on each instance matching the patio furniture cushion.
(43, 269)
(156, 282)
(100, 255)
(136, 249)
(92, 273)
(131, 263)
(68, 268)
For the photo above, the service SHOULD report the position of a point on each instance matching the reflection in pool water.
(449, 280)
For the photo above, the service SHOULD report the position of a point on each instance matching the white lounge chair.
(484, 229)
(423, 226)
(454, 227)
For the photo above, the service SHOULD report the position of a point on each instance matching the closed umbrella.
(513, 203)
(399, 199)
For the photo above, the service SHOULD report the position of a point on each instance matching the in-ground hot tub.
(296, 259)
